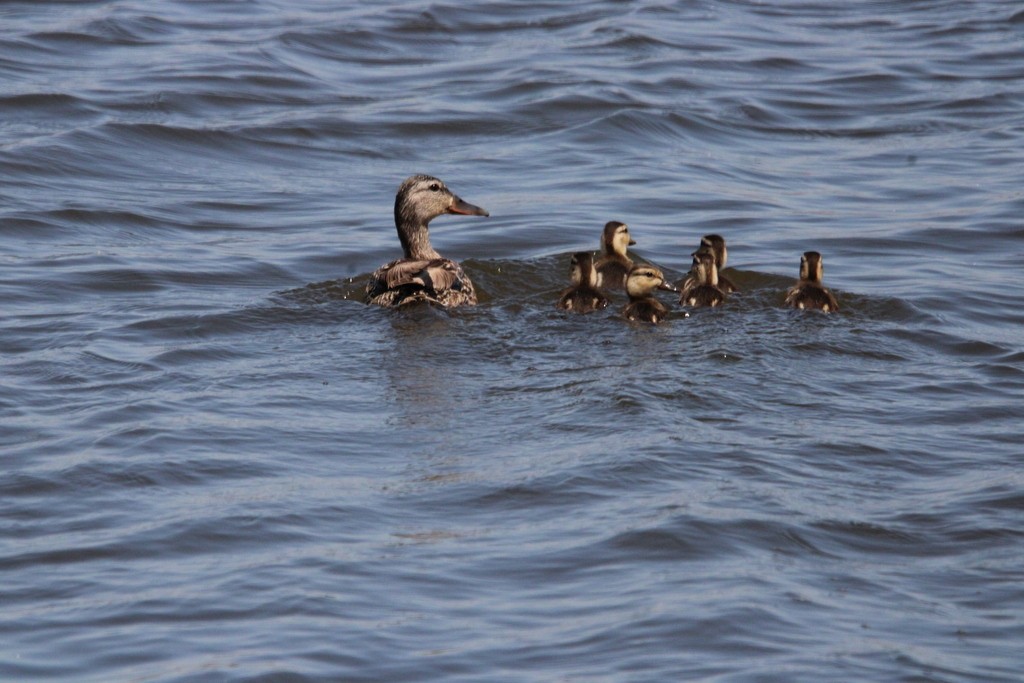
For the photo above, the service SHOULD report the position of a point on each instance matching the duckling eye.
(434, 187)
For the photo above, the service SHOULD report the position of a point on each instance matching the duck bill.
(466, 209)
(667, 287)
(632, 242)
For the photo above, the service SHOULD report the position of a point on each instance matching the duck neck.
(611, 249)
(617, 257)
(636, 293)
(414, 236)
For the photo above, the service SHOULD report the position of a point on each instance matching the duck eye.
(434, 187)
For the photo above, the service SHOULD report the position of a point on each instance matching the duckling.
(422, 274)
(714, 244)
(614, 265)
(809, 292)
(640, 285)
(584, 295)
(705, 291)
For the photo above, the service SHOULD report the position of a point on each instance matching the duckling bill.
(809, 292)
(422, 274)
(584, 295)
(640, 285)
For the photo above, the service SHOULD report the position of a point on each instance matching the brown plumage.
(422, 274)
(705, 290)
(715, 245)
(585, 295)
(640, 285)
(809, 292)
(614, 264)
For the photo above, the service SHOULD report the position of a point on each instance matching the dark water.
(218, 467)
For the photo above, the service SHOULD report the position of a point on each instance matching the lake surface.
(220, 465)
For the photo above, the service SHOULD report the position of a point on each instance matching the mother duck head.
(420, 199)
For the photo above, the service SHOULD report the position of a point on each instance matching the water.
(219, 466)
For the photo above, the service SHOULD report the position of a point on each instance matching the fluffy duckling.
(809, 292)
(705, 290)
(422, 274)
(715, 245)
(640, 285)
(584, 296)
(614, 264)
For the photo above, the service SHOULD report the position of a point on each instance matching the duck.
(422, 274)
(614, 264)
(584, 295)
(809, 292)
(715, 245)
(705, 290)
(640, 285)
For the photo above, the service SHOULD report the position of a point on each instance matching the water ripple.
(220, 463)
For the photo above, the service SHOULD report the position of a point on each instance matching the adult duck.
(422, 274)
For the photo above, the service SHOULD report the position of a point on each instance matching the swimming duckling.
(584, 295)
(809, 292)
(705, 291)
(614, 265)
(422, 274)
(640, 285)
(713, 244)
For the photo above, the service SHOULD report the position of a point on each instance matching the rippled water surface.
(219, 465)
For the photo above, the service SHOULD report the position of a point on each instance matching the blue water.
(220, 465)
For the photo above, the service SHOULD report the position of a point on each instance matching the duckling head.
(644, 279)
(420, 199)
(811, 268)
(715, 243)
(616, 238)
(582, 270)
(704, 267)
